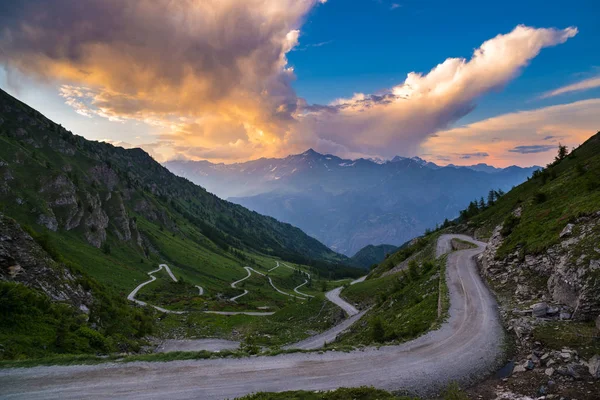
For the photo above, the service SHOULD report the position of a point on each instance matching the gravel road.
(466, 348)
(196, 345)
(334, 297)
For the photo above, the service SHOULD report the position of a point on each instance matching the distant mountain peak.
(311, 152)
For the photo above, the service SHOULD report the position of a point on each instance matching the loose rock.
(567, 231)
(539, 309)
(594, 366)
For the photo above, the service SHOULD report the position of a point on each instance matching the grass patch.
(362, 393)
(405, 305)
(581, 336)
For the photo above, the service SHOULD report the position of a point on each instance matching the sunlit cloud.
(521, 138)
(211, 78)
(398, 120)
(586, 84)
(220, 64)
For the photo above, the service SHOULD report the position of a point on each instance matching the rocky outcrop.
(24, 261)
(567, 275)
(96, 221)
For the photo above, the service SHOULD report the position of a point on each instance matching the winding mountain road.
(131, 296)
(466, 348)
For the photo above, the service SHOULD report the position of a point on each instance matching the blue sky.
(371, 47)
(213, 79)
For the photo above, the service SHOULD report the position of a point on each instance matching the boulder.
(594, 366)
(529, 365)
(539, 309)
(575, 371)
(549, 371)
(598, 323)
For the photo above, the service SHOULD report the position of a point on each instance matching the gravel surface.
(466, 348)
(334, 297)
(196, 345)
(319, 340)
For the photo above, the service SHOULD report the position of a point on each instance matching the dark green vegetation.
(453, 392)
(372, 255)
(102, 218)
(33, 326)
(404, 304)
(290, 324)
(362, 393)
(566, 189)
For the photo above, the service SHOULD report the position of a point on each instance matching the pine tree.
(491, 198)
(563, 152)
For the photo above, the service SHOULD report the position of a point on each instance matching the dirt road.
(465, 348)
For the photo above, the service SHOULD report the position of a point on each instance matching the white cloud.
(400, 119)
(586, 84)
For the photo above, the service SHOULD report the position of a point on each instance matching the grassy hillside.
(111, 215)
(405, 303)
(370, 255)
(46, 162)
(565, 190)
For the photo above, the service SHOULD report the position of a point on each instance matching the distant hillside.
(369, 255)
(349, 204)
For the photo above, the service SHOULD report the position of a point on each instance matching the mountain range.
(349, 204)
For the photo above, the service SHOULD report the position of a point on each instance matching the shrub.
(539, 197)
(453, 392)
(510, 222)
(377, 330)
(413, 270)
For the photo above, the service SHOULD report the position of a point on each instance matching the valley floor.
(466, 348)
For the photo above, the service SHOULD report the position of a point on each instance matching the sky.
(460, 82)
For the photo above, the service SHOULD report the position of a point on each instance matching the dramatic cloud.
(398, 120)
(210, 72)
(212, 80)
(515, 138)
(575, 87)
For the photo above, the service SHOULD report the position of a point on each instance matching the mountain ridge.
(348, 204)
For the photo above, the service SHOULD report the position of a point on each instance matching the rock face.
(594, 366)
(69, 207)
(564, 275)
(22, 260)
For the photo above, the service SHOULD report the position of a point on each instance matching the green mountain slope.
(104, 217)
(564, 191)
(369, 255)
(68, 183)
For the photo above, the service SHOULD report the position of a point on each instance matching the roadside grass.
(581, 336)
(361, 393)
(290, 324)
(406, 304)
(452, 392)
